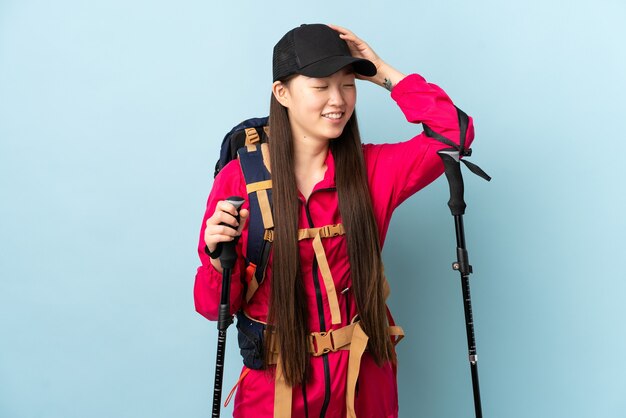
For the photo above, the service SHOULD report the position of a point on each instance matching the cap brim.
(331, 65)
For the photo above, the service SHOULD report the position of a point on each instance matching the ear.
(281, 92)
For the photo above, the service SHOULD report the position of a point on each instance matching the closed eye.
(320, 87)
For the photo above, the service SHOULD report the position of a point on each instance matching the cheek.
(350, 105)
(305, 112)
(311, 108)
(351, 98)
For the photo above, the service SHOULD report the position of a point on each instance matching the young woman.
(328, 349)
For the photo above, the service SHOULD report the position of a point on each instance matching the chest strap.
(326, 231)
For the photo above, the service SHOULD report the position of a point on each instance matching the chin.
(334, 134)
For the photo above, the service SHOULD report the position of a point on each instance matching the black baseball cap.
(315, 50)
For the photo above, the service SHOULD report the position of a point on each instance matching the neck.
(309, 155)
(309, 163)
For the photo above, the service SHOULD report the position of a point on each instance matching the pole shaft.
(469, 318)
(219, 373)
(460, 231)
(223, 321)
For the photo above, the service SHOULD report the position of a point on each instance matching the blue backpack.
(248, 142)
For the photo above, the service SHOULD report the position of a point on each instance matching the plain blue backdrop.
(111, 115)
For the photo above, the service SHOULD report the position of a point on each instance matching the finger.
(243, 216)
(214, 240)
(358, 46)
(350, 38)
(220, 230)
(224, 206)
(244, 213)
(339, 29)
(220, 216)
(346, 34)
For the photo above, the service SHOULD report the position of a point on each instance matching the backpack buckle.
(322, 343)
(329, 231)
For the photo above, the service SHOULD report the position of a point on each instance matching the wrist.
(215, 253)
(217, 265)
(388, 77)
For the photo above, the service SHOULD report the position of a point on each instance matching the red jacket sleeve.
(396, 171)
(208, 284)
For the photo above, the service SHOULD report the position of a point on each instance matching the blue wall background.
(111, 114)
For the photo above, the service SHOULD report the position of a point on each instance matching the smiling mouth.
(333, 115)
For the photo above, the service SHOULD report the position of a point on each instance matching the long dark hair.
(288, 306)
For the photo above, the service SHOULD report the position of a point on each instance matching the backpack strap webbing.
(239, 136)
(254, 161)
(462, 151)
(351, 338)
(252, 136)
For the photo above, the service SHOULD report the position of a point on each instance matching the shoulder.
(367, 150)
(230, 177)
(371, 152)
(231, 168)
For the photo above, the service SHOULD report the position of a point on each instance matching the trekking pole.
(457, 206)
(452, 166)
(228, 257)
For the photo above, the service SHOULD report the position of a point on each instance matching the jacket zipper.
(346, 292)
(320, 311)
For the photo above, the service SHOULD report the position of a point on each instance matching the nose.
(336, 96)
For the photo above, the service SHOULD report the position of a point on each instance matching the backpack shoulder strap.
(255, 165)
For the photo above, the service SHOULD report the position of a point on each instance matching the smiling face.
(318, 108)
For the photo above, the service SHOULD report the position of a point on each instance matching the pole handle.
(452, 167)
(228, 255)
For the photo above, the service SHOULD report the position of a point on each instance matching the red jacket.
(395, 172)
